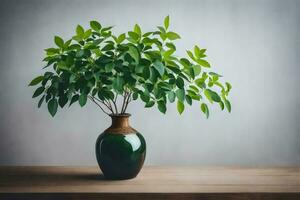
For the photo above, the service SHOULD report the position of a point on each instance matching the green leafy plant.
(113, 70)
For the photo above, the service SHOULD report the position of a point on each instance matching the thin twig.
(104, 103)
(108, 101)
(127, 101)
(124, 100)
(92, 98)
(115, 103)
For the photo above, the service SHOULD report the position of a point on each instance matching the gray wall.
(254, 44)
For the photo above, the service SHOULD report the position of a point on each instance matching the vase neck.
(120, 121)
(120, 125)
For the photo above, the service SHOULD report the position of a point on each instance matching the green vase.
(120, 149)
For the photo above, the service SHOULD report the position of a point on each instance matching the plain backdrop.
(254, 44)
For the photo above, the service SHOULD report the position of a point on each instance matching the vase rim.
(120, 115)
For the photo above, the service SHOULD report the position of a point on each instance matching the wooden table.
(153, 182)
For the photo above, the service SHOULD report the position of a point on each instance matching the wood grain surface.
(153, 182)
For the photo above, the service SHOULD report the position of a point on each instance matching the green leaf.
(58, 41)
(80, 53)
(190, 55)
(215, 74)
(188, 99)
(171, 96)
(228, 105)
(97, 42)
(41, 101)
(196, 97)
(74, 99)
(36, 80)
(87, 34)
(180, 93)
(200, 82)
(137, 29)
(205, 110)
(220, 85)
(100, 95)
(149, 104)
(79, 31)
(108, 47)
(133, 52)
(180, 107)
(168, 53)
(62, 101)
(67, 43)
(38, 91)
(191, 73)
(159, 67)
(149, 87)
(194, 88)
(166, 22)
(212, 96)
(147, 34)
(106, 29)
(52, 106)
(185, 62)
(171, 46)
(146, 73)
(139, 69)
(121, 38)
(197, 69)
(203, 63)
(72, 78)
(228, 86)
(134, 36)
(172, 35)
(96, 26)
(52, 51)
(135, 95)
(197, 51)
(154, 75)
(82, 99)
(109, 67)
(207, 94)
(161, 29)
(48, 97)
(109, 95)
(215, 97)
(145, 97)
(221, 105)
(118, 84)
(162, 106)
(179, 82)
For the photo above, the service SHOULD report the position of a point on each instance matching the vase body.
(120, 149)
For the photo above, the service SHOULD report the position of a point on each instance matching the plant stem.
(124, 100)
(110, 107)
(127, 101)
(104, 103)
(92, 98)
(115, 103)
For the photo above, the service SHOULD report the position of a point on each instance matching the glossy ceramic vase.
(120, 149)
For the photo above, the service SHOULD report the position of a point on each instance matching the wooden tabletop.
(152, 180)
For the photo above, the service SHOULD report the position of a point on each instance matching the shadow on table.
(45, 177)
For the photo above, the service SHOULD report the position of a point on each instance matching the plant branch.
(115, 103)
(124, 100)
(93, 99)
(110, 107)
(104, 103)
(127, 101)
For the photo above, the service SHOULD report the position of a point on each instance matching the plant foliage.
(99, 66)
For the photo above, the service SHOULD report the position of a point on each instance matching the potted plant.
(112, 71)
